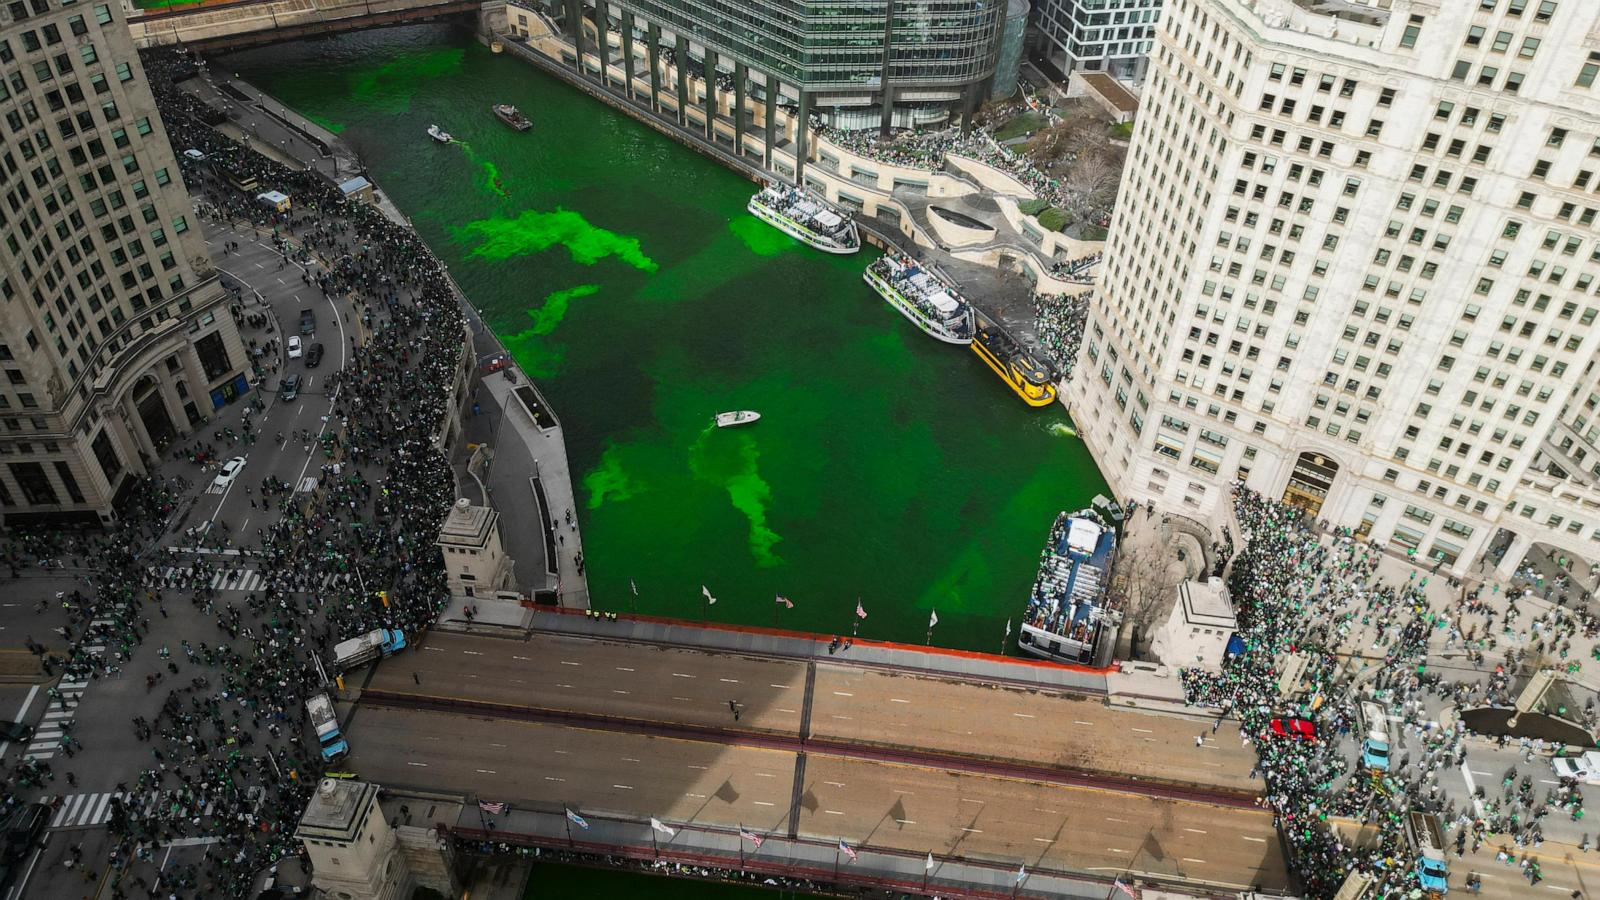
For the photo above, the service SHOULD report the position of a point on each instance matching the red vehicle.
(1297, 729)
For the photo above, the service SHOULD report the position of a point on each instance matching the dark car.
(23, 831)
(290, 388)
(308, 321)
(15, 731)
(314, 356)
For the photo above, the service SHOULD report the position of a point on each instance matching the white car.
(294, 347)
(230, 471)
(1585, 768)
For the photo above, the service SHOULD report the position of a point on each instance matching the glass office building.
(940, 55)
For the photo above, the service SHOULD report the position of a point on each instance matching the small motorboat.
(740, 417)
(439, 134)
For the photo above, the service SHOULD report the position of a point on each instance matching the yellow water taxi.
(1025, 376)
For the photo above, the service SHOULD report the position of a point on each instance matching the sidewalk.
(1020, 671)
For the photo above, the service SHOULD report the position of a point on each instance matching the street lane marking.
(1192, 859)
(1256, 839)
(523, 658)
(973, 830)
(418, 765)
(764, 803)
(970, 800)
(1196, 831)
(686, 699)
(486, 772)
(843, 694)
(1115, 850)
(834, 783)
(1022, 715)
(562, 752)
(1110, 819)
(696, 796)
(782, 710)
(1081, 722)
(729, 680)
(1050, 812)
(681, 675)
(1143, 731)
(564, 685)
(1484, 774)
(567, 663)
(629, 759)
(898, 700)
(1045, 840)
(701, 768)
(623, 669)
(553, 778)
(905, 821)
(781, 687)
(472, 653)
(833, 812)
(846, 718)
(615, 691)
(765, 775)
(907, 793)
(623, 787)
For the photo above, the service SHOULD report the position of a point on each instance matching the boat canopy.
(827, 219)
(943, 302)
(1082, 536)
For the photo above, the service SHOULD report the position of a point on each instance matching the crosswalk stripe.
(100, 810)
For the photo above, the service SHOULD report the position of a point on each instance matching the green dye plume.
(759, 237)
(608, 480)
(390, 85)
(534, 231)
(548, 316)
(729, 459)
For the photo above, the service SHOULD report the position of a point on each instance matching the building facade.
(855, 63)
(1110, 36)
(1354, 265)
(116, 337)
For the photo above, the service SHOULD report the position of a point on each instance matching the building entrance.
(1310, 482)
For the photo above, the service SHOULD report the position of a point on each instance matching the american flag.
(492, 808)
(751, 836)
(1125, 889)
(845, 849)
(787, 603)
(861, 612)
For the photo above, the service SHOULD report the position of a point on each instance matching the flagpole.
(741, 847)
(836, 864)
(653, 845)
(568, 820)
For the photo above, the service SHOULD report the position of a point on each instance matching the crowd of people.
(1059, 319)
(1297, 591)
(225, 754)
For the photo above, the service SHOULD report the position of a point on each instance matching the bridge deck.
(609, 683)
(887, 806)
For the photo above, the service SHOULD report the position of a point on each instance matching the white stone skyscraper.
(116, 338)
(1354, 264)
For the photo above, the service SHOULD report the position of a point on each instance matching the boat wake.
(1061, 429)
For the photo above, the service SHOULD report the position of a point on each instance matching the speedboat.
(740, 417)
(439, 134)
(510, 115)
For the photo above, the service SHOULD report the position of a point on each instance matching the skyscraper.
(1110, 36)
(1354, 265)
(856, 63)
(115, 334)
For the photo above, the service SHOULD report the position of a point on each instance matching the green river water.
(625, 275)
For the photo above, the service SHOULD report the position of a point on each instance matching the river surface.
(624, 273)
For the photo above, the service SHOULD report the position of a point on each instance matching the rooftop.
(1364, 12)
(467, 525)
(336, 810)
(1206, 603)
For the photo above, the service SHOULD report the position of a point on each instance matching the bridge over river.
(895, 762)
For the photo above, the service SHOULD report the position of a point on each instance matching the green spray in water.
(534, 231)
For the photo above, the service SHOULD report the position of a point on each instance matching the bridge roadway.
(825, 750)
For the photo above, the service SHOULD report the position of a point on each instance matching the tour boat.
(1012, 362)
(806, 218)
(931, 303)
(510, 115)
(1068, 605)
(439, 134)
(739, 417)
